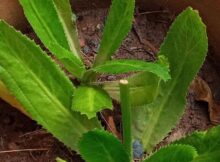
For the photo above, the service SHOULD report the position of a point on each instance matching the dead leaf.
(9, 98)
(107, 116)
(203, 93)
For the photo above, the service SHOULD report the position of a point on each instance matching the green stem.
(126, 116)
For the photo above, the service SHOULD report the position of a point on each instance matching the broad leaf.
(101, 146)
(90, 100)
(140, 84)
(185, 47)
(52, 20)
(40, 86)
(125, 66)
(117, 26)
(174, 153)
(206, 143)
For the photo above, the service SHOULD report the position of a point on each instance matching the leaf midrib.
(42, 22)
(150, 131)
(47, 92)
(143, 65)
(91, 100)
(105, 150)
(67, 33)
(115, 36)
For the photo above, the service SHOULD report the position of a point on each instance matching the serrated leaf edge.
(204, 26)
(69, 39)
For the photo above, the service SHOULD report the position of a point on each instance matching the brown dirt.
(18, 132)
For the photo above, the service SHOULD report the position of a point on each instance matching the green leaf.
(185, 47)
(90, 100)
(140, 84)
(125, 66)
(40, 86)
(101, 146)
(70, 61)
(60, 160)
(174, 153)
(52, 21)
(68, 21)
(117, 26)
(207, 144)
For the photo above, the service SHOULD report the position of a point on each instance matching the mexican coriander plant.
(152, 98)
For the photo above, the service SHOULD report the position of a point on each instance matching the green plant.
(156, 91)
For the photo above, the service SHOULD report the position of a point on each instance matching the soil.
(30, 143)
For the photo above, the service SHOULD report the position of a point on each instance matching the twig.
(111, 127)
(33, 156)
(143, 41)
(24, 150)
(40, 131)
(151, 12)
(106, 122)
(1, 142)
(124, 48)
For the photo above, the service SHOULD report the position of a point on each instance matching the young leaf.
(185, 47)
(117, 26)
(40, 86)
(52, 21)
(207, 144)
(90, 100)
(140, 85)
(125, 66)
(174, 153)
(101, 146)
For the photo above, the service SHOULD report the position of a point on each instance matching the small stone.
(94, 42)
(84, 28)
(137, 149)
(111, 77)
(96, 49)
(99, 26)
(93, 28)
(86, 49)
